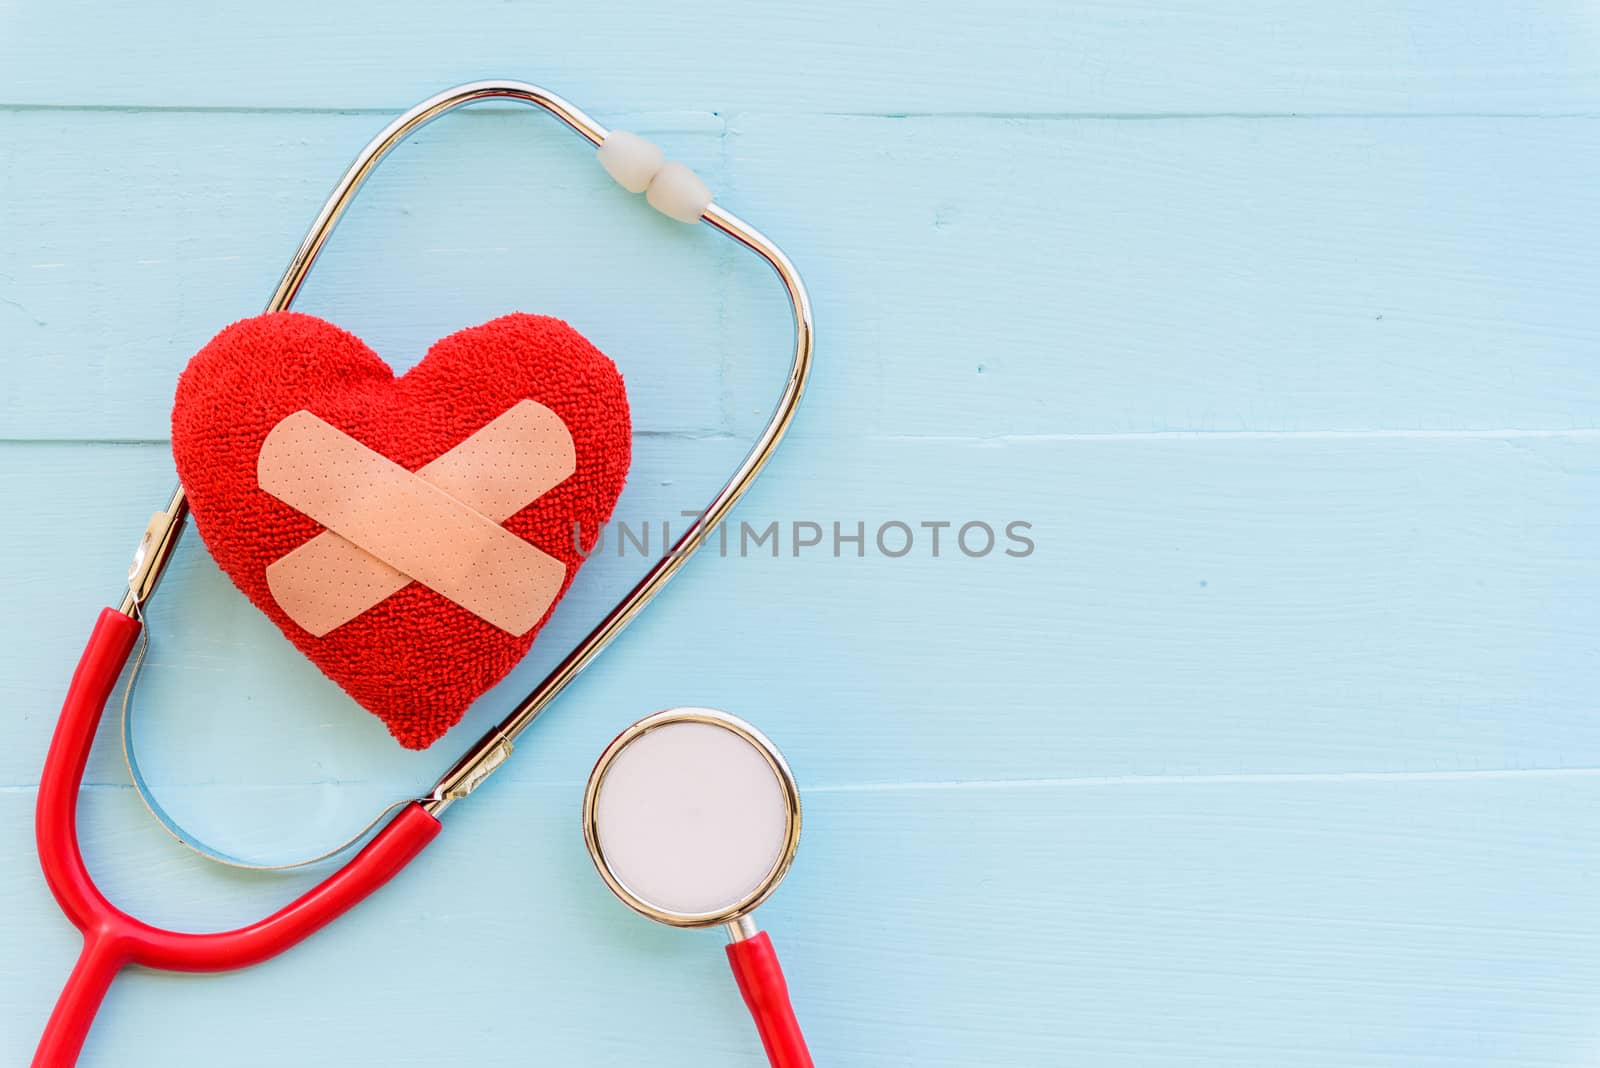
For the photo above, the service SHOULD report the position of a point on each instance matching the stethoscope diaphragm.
(692, 817)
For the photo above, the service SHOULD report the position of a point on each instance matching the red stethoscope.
(111, 938)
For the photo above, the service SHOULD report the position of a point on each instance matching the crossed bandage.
(439, 525)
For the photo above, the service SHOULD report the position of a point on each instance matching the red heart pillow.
(415, 659)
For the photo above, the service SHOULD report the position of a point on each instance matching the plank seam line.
(1493, 434)
(1246, 778)
(1486, 434)
(893, 115)
(1226, 779)
(669, 435)
(1187, 116)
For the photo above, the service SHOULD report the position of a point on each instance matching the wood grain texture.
(1196, 607)
(497, 212)
(1057, 276)
(1010, 56)
(1332, 921)
(1275, 321)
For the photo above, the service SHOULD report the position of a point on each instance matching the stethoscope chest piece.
(692, 818)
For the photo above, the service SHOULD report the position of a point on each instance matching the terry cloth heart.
(415, 657)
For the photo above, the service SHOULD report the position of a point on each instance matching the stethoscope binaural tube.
(692, 819)
(112, 938)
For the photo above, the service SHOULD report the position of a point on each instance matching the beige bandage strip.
(439, 526)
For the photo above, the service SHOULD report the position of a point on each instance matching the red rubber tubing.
(760, 978)
(112, 938)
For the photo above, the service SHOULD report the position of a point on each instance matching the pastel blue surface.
(1276, 321)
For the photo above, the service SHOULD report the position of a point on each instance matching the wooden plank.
(1193, 605)
(1331, 921)
(1010, 56)
(1273, 320)
(1054, 277)
(1050, 277)
(105, 298)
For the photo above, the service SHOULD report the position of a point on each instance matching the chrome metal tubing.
(396, 132)
(495, 746)
(166, 528)
(465, 771)
(742, 929)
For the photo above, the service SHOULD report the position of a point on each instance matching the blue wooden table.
(1277, 322)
